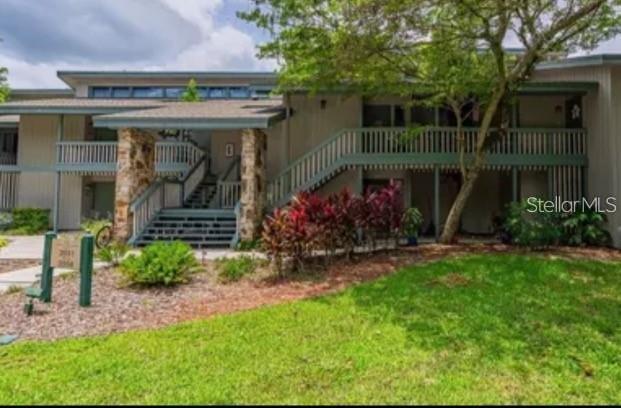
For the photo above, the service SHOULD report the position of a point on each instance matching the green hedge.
(29, 221)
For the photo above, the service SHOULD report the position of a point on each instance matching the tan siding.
(310, 124)
(36, 156)
(219, 139)
(541, 111)
(602, 109)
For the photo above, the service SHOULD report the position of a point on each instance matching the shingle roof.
(213, 114)
(76, 105)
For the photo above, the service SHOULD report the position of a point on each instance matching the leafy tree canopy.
(444, 50)
(4, 86)
(191, 92)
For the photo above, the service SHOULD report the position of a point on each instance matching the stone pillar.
(135, 172)
(253, 183)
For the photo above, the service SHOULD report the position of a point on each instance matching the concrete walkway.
(23, 247)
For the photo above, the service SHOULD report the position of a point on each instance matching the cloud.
(41, 37)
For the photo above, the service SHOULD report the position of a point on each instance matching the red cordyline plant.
(313, 223)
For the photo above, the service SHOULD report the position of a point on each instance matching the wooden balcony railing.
(101, 157)
(425, 147)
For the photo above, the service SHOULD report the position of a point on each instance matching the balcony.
(390, 148)
(101, 157)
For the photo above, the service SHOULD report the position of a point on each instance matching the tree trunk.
(452, 221)
(472, 174)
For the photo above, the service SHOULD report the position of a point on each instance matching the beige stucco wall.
(36, 157)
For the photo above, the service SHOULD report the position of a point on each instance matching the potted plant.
(412, 221)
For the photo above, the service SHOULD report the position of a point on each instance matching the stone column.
(135, 172)
(253, 183)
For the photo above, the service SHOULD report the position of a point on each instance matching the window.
(239, 92)
(203, 92)
(148, 92)
(121, 92)
(376, 116)
(100, 92)
(174, 93)
(219, 92)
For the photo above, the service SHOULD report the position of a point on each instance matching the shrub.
(536, 230)
(113, 253)
(30, 221)
(412, 222)
(312, 223)
(249, 245)
(3, 242)
(94, 225)
(585, 228)
(160, 263)
(233, 269)
(542, 229)
(6, 220)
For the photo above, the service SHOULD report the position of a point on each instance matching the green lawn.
(479, 329)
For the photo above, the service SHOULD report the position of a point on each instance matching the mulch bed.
(116, 308)
(10, 265)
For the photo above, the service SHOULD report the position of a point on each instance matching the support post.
(57, 185)
(135, 172)
(550, 184)
(436, 201)
(359, 180)
(253, 184)
(585, 182)
(515, 194)
(86, 270)
(47, 271)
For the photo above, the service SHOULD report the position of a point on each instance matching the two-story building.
(122, 144)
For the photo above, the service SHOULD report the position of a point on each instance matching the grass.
(478, 329)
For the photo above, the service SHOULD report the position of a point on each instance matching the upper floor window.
(175, 92)
(148, 92)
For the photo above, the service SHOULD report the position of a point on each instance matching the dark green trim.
(453, 159)
(558, 87)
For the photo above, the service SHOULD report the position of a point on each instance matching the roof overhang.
(73, 78)
(11, 121)
(188, 123)
(226, 114)
(557, 87)
(74, 106)
(582, 61)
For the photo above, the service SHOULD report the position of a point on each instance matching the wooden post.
(514, 184)
(47, 270)
(57, 184)
(550, 183)
(436, 200)
(86, 270)
(359, 180)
